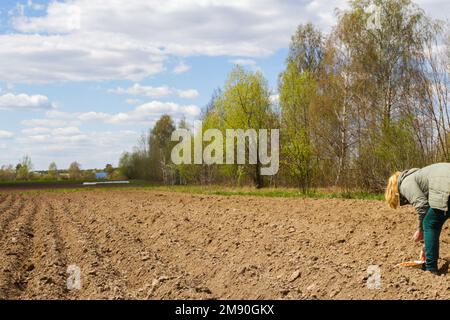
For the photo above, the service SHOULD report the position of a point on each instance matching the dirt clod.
(294, 276)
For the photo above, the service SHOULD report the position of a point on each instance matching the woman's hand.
(418, 236)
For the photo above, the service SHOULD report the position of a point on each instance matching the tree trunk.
(258, 177)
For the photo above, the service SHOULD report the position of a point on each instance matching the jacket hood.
(403, 175)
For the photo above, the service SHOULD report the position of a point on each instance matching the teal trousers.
(432, 226)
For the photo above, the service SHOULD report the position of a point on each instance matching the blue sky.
(82, 79)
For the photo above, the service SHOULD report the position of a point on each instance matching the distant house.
(101, 175)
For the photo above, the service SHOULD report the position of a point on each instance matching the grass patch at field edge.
(223, 191)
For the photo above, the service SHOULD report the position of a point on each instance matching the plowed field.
(134, 244)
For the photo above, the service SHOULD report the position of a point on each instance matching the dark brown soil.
(134, 244)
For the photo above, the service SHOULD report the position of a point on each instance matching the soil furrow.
(98, 275)
(12, 214)
(5, 205)
(48, 263)
(16, 247)
(173, 248)
(149, 274)
(3, 198)
(9, 211)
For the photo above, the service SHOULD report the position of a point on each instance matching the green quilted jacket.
(425, 188)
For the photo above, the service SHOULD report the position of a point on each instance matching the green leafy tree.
(244, 104)
(23, 170)
(53, 171)
(109, 169)
(297, 90)
(160, 146)
(7, 173)
(126, 167)
(75, 171)
(87, 175)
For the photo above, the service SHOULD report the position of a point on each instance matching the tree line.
(23, 171)
(354, 105)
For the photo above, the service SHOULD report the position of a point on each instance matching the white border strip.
(105, 182)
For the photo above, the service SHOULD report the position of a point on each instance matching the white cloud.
(181, 68)
(137, 89)
(61, 18)
(36, 131)
(67, 131)
(23, 101)
(6, 134)
(42, 133)
(76, 57)
(188, 94)
(57, 114)
(156, 92)
(55, 136)
(48, 122)
(73, 119)
(147, 113)
(152, 111)
(84, 147)
(92, 115)
(77, 40)
(64, 138)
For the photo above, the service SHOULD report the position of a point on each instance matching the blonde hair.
(392, 195)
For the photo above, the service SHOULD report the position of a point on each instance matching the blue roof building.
(101, 175)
